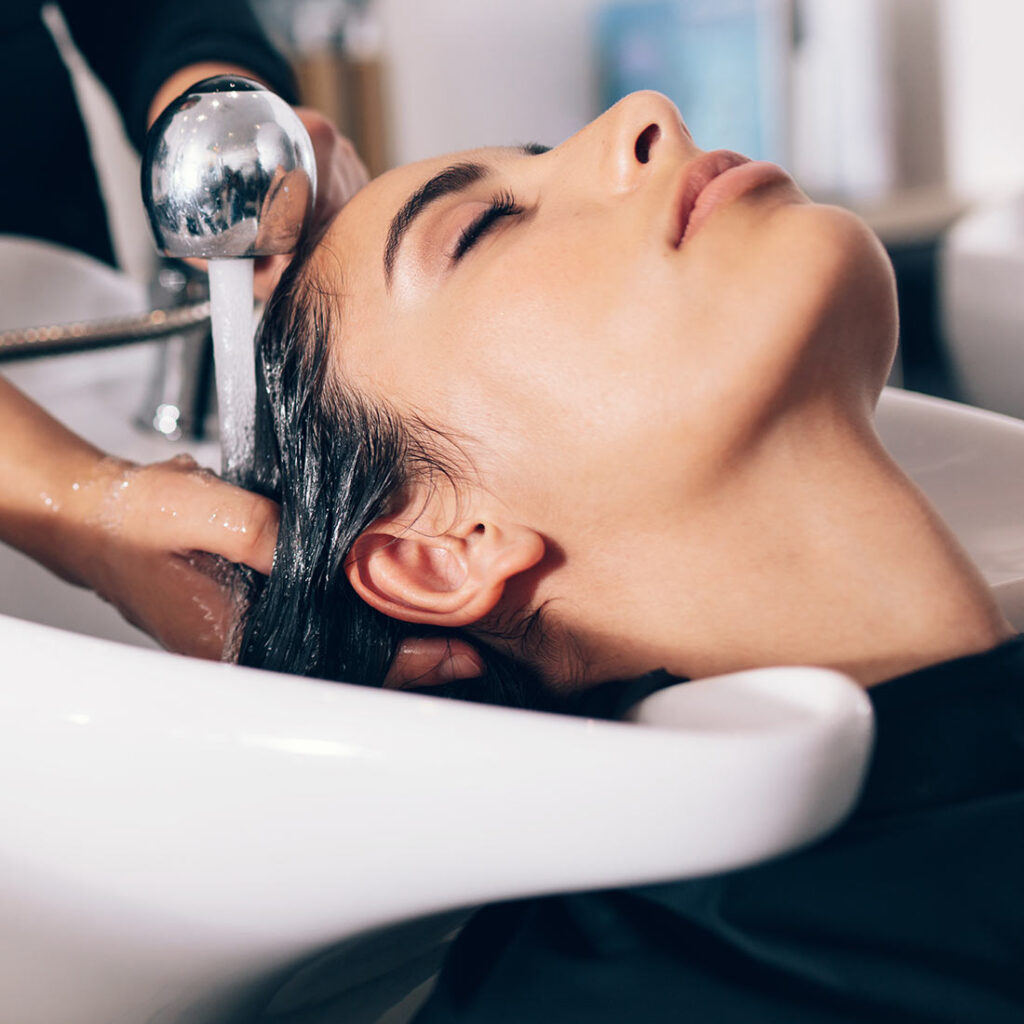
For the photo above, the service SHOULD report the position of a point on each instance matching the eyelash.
(503, 205)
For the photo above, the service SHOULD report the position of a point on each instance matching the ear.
(452, 579)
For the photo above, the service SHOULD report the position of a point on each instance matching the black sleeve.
(134, 46)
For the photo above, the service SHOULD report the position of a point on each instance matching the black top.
(48, 187)
(912, 911)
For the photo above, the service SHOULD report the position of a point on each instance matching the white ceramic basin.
(982, 268)
(970, 463)
(178, 836)
(180, 832)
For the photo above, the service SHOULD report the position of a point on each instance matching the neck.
(816, 551)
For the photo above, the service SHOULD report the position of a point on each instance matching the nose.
(637, 135)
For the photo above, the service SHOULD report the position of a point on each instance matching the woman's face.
(542, 309)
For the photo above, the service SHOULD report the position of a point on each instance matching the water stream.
(231, 311)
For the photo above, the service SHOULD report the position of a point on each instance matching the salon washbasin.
(980, 267)
(179, 836)
(970, 463)
(182, 833)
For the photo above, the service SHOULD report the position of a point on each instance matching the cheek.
(561, 369)
(800, 284)
(554, 332)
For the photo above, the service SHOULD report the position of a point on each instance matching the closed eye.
(503, 205)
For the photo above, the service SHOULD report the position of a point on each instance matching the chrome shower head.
(228, 171)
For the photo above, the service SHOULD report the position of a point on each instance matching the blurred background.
(911, 112)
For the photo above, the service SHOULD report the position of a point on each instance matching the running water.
(231, 312)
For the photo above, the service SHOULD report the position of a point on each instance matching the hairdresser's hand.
(150, 532)
(432, 661)
(131, 533)
(340, 174)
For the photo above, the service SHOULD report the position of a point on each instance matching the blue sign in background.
(723, 62)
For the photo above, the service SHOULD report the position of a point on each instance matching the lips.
(700, 173)
(712, 180)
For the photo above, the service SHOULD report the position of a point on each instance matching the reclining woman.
(607, 409)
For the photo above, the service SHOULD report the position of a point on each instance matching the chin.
(855, 291)
(843, 263)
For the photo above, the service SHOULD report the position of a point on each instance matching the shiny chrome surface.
(228, 171)
(85, 335)
(180, 402)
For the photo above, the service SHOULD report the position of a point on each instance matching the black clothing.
(912, 911)
(48, 187)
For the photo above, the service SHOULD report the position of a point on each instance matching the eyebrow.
(452, 180)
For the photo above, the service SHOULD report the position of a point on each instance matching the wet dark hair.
(337, 461)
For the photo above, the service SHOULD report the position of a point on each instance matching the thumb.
(267, 272)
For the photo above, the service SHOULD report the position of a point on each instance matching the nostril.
(645, 142)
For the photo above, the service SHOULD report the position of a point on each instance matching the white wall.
(466, 73)
(983, 50)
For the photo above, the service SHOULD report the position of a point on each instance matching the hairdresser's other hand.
(154, 530)
(432, 661)
(340, 174)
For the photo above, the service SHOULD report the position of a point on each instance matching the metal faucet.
(228, 172)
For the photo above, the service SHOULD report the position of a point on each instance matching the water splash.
(231, 311)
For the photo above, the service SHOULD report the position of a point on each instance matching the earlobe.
(449, 580)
